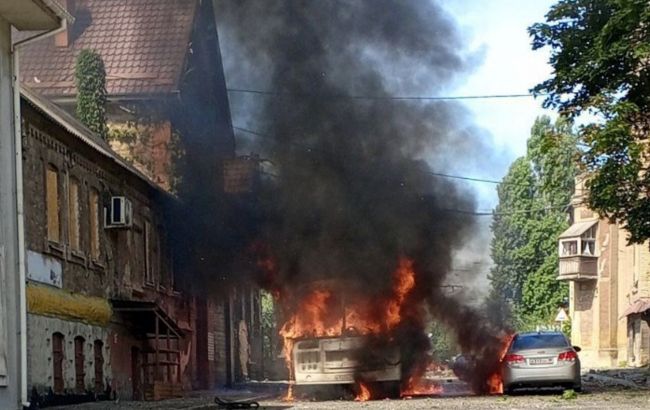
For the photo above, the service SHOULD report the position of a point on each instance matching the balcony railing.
(578, 268)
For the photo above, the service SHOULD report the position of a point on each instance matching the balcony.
(578, 268)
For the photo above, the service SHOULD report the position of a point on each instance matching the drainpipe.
(20, 212)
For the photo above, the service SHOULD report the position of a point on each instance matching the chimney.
(64, 38)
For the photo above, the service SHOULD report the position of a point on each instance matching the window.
(52, 201)
(73, 214)
(58, 357)
(148, 271)
(98, 347)
(539, 341)
(638, 266)
(588, 240)
(569, 248)
(588, 248)
(79, 360)
(93, 212)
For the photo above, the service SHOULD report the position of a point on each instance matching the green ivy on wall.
(90, 79)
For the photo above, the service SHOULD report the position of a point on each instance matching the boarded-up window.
(98, 347)
(52, 201)
(57, 362)
(79, 359)
(93, 212)
(148, 271)
(73, 214)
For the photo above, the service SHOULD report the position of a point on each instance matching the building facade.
(16, 15)
(609, 284)
(164, 77)
(104, 316)
(164, 83)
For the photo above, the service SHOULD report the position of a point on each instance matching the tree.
(532, 211)
(90, 79)
(511, 247)
(600, 51)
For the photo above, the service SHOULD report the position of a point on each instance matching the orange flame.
(404, 281)
(316, 314)
(289, 395)
(419, 386)
(495, 381)
(364, 393)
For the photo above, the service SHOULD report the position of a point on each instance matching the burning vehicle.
(338, 335)
(326, 338)
(335, 361)
(351, 192)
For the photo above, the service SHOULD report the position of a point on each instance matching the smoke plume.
(352, 190)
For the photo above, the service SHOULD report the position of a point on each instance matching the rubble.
(637, 378)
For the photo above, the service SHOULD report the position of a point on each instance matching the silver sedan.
(541, 359)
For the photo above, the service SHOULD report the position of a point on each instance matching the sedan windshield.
(539, 341)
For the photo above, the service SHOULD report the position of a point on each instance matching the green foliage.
(524, 248)
(443, 343)
(599, 52)
(125, 133)
(177, 161)
(542, 295)
(569, 394)
(511, 249)
(268, 324)
(90, 79)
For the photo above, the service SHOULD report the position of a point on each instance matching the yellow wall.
(53, 302)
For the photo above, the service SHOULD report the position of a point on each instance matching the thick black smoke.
(353, 190)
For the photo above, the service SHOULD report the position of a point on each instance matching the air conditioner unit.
(119, 213)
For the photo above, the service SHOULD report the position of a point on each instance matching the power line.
(465, 178)
(382, 97)
(492, 213)
(436, 174)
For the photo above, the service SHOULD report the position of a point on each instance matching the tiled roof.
(143, 44)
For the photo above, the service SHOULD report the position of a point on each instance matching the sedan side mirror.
(577, 348)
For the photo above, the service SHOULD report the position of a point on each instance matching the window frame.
(74, 214)
(149, 278)
(79, 364)
(94, 224)
(58, 362)
(586, 241)
(53, 215)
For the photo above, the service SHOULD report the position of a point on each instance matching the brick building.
(165, 84)
(164, 76)
(609, 283)
(101, 298)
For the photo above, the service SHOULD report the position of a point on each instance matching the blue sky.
(498, 30)
(509, 66)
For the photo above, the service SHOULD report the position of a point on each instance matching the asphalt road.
(601, 399)
(602, 391)
(597, 400)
